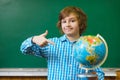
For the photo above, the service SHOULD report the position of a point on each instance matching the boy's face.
(70, 25)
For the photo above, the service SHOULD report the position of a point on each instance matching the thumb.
(45, 33)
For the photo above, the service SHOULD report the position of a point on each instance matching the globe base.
(87, 75)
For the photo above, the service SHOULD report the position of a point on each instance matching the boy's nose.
(68, 24)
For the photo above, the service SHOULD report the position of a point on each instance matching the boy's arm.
(100, 73)
(28, 47)
(36, 45)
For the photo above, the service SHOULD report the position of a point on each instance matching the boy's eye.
(73, 20)
(63, 21)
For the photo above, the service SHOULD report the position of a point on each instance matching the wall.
(20, 19)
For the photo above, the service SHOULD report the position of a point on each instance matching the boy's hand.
(41, 40)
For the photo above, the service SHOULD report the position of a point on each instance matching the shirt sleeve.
(100, 73)
(28, 47)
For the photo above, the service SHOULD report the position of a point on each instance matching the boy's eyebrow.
(71, 18)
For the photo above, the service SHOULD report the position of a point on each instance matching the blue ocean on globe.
(90, 51)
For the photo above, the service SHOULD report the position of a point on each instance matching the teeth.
(68, 29)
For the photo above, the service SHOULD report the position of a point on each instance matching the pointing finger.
(51, 42)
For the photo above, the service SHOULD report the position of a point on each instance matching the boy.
(58, 51)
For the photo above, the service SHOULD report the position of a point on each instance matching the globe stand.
(87, 74)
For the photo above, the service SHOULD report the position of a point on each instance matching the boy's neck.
(73, 38)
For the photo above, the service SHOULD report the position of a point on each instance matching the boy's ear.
(81, 26)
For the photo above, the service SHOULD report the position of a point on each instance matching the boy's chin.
(69, 34)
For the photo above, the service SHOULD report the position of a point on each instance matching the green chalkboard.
(20, 19)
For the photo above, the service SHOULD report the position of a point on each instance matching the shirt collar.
(63, 38)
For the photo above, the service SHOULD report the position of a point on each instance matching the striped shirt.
(61, 62)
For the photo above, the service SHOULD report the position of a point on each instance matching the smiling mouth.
(68, 29)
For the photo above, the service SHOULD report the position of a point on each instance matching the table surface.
(42, 71)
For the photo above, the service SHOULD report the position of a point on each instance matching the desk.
(41, 73)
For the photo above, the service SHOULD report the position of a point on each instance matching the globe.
(90, 51)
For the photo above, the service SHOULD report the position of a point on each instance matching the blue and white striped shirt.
(61, 63)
